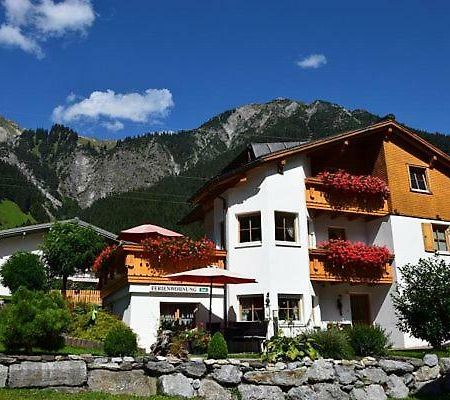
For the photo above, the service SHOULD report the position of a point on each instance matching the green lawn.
(16, 394)
(418, 353)
(66, 350)
(11, 215)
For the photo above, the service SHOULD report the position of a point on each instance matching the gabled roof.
(23, 230)
(222, 181)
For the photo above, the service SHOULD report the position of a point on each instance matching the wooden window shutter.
(427, 232)
(447, 238)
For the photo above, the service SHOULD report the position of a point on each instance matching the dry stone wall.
(366, 379)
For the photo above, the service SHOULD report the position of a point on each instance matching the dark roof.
(262, 149)
(46, 226)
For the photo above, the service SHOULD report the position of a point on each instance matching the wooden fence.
(84, 296)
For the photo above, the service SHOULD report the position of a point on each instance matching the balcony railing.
(83, 296)
(137, 268)
(319, 270)
(319, 197)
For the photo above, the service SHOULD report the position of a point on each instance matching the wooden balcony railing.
(318, 197)
(84, 296)
(320, 271)
(137, 268)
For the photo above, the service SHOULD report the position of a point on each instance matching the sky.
(114, 68)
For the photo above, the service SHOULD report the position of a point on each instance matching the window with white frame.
(250, 227)
(285, 226)
(290, 307)
(418, 178)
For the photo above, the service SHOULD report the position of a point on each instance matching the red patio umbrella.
(210, 275)
(141, 232)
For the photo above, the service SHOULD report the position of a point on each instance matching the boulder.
(302, 393)
(159, 367)
(372, 375)
(122, 382)
(3, 375)
(254, 392)
(371, 392)
(445, 365)
(320, 371)
(396, 367)
(39, 374)
(175, 385)
(285, 378)
(211, 390)
(396, 388)
(329, 391)
(430, 360)
(345, 374)
(228, 375)
(426, 373)
(193, 369)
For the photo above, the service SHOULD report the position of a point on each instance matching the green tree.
(34, 319)
(24, 269)
(422, 300)
(70, 249)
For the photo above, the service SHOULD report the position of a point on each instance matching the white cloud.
(110, 106)
(113, 126)
(12, 36)
(37, 20)
(71, 97)
(312, 61)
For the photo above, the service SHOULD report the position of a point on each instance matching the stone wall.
(322, 379)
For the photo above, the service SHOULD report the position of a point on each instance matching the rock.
(175, 385)
(372, 375)
(302, 393)
(285, 378)
(3, 375)
(100, 360)
(109, 366)
(294, 365)
(371, 392)
(429, 388)
(254, 392)
(193, 369)
(345, 374)
(5, 360)
(320, 371)
(444, 363)
(159, 367)
(280, 365)
(196, 384)
(211, 390)
(228, 375)
(128, 359)
(408, 379)
(396, 388)
(329, 391)
(426, 373)
(396, 367)
(39, 374)
(122, 382)
(430, 360)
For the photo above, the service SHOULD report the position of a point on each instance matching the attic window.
(418, 179)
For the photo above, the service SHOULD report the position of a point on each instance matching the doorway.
(360, 307)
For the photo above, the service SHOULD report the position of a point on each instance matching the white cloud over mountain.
(313, 61)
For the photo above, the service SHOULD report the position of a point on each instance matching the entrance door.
(360, 307)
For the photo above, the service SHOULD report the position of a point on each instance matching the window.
(418, 178)
(285, 226)
(252, 308)
(249, 228)
(289, 307)
(440, 237)
(336, 233)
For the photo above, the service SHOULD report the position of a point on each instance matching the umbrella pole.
(210, 301)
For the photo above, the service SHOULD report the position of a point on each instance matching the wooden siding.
(434, 205)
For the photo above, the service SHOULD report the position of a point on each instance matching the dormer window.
(418, 179)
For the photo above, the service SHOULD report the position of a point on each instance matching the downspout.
(224, 239)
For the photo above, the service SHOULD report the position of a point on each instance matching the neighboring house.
(270, 213)
(30, 238)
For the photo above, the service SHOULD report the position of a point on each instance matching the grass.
(22, 394)
(11, 215)
(418, 353)
(66, 350)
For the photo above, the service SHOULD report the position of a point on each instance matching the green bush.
(195, 341)
(34, 319)
(89, 322)
(24, 269)
(120, 341)
(332, 343)
(368, 340)
(217, 347)
(282, 348)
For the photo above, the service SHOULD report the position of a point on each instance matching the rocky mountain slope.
(77, 175)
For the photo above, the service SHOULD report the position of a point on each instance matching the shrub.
(195, 341)
(34, 319)
(217, 347)
(332, 343)
(24, 269)
(120, 341)
(368, 340)
(281, 348)
(422, 300)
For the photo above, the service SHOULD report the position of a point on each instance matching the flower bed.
(365, 185)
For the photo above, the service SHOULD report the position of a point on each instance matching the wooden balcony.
(319, 271)
(319, 198)
(136, 267)
(83, 296)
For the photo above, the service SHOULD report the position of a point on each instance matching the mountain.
(148, 178)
